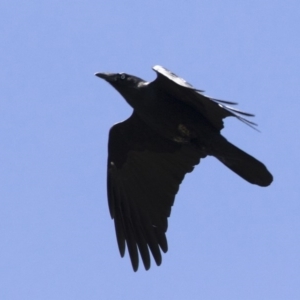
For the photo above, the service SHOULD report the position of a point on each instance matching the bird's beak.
(106, 76)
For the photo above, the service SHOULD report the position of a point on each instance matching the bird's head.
(127, 85)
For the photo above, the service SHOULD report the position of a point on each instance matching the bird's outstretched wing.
(143, 177)
(213, 109)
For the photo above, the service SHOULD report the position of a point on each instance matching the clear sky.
(227, 238)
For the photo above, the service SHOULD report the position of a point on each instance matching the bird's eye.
(122, 76)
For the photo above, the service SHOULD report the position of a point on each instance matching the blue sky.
(227, 239)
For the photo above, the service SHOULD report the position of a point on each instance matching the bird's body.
(172, 127)
(168, 116)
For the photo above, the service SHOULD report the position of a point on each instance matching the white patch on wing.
(172, 76)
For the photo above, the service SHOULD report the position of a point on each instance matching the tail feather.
(241, 163)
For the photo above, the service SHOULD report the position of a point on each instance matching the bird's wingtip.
(157, 68)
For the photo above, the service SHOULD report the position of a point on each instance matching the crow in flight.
(173, 126)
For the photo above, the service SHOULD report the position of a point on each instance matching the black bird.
(173, 126)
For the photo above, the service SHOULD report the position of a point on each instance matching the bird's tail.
(241, 163)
